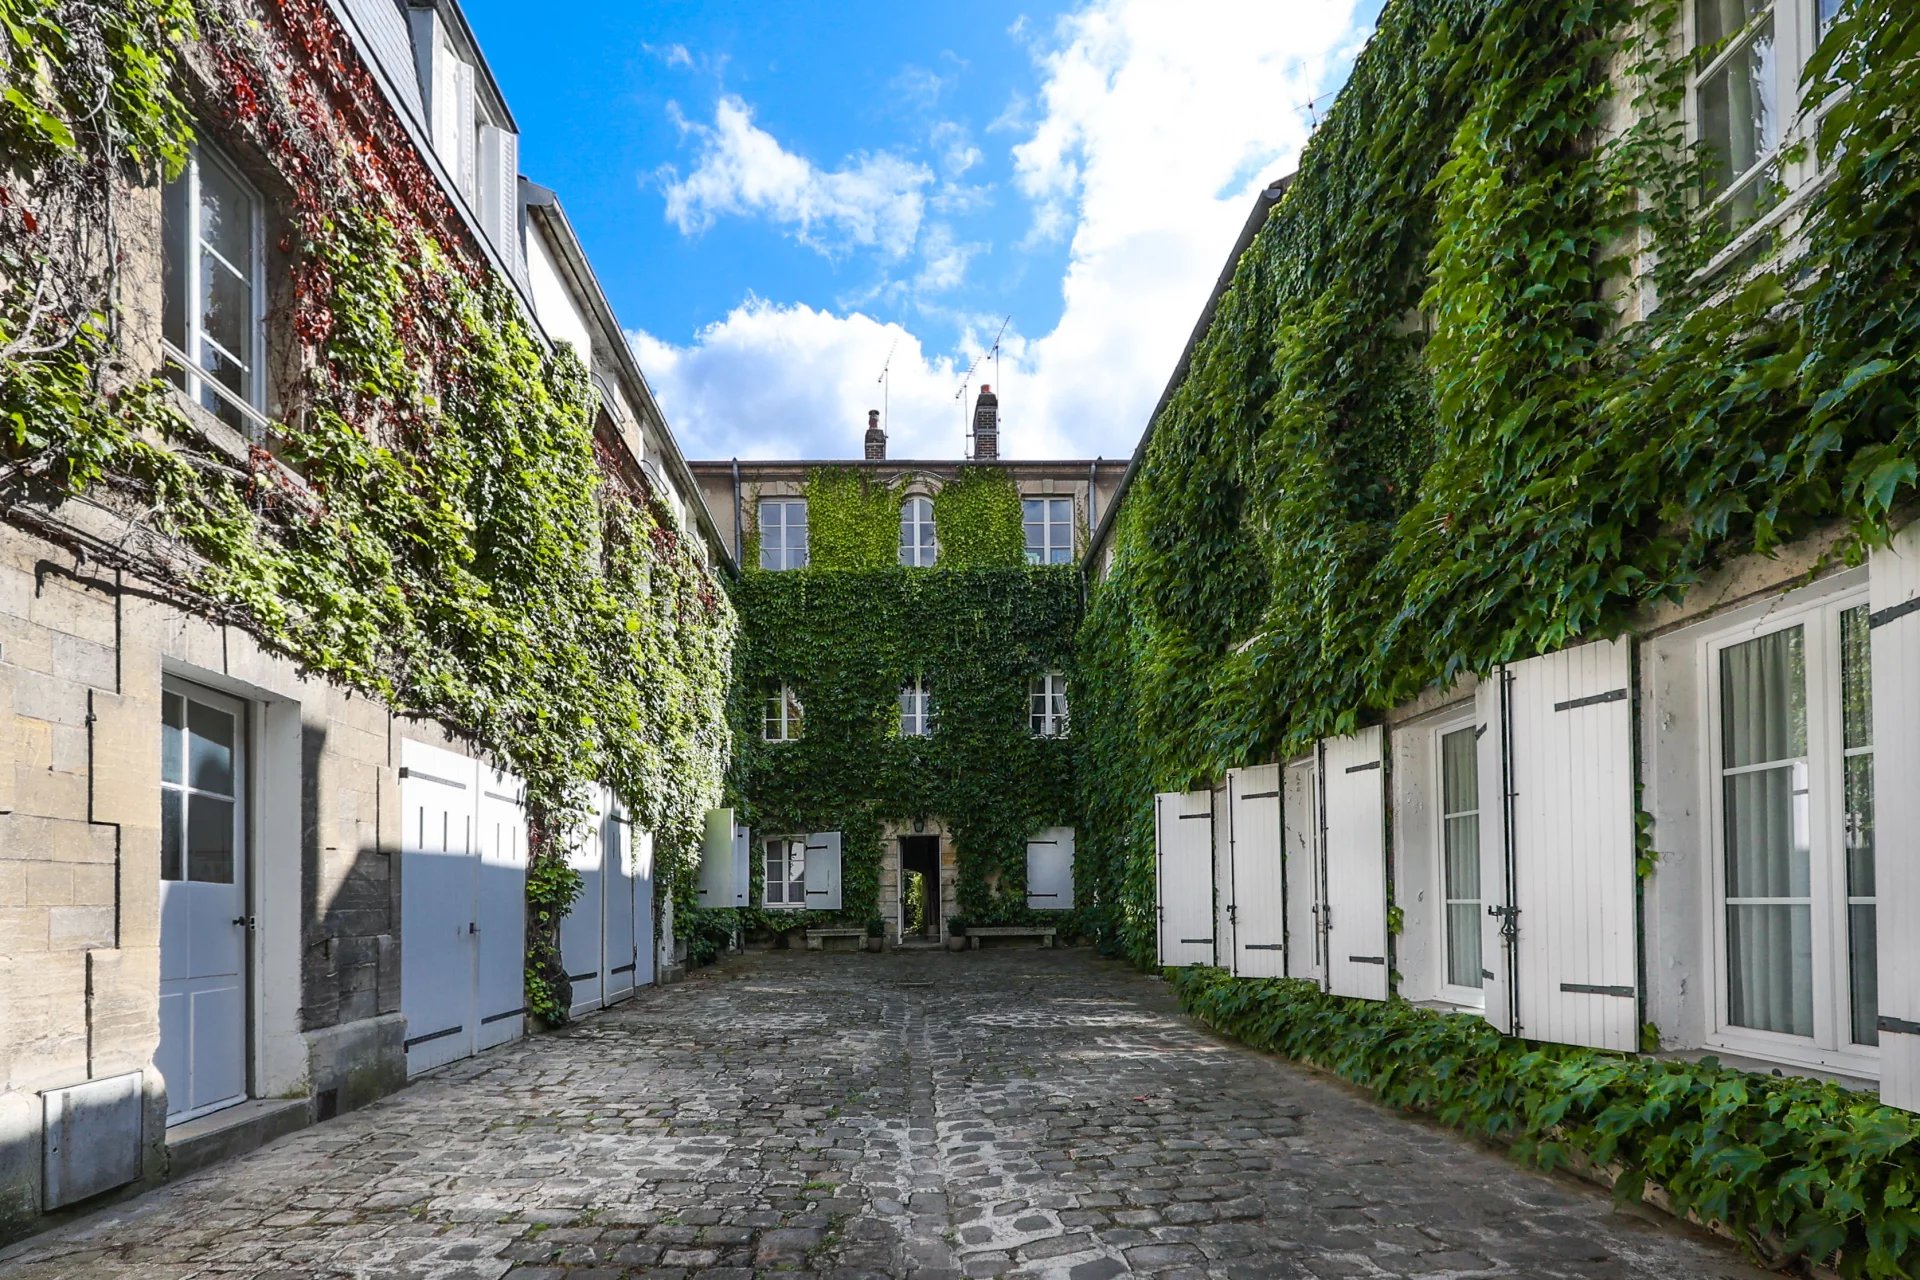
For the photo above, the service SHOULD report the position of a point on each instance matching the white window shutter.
(742, 867)
(468, 137)
(715, 887)
(1259, 906)
(1894, 604)
(1050, 870)
(823, 871)
(1496, 953)
(1354, 769)
(1183, 849)
(1222, 851)
(1574, 879)
(1300, 841)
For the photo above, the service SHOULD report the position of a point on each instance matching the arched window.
(917, 549)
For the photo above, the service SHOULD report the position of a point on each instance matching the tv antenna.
(966, 423)
(886, 384)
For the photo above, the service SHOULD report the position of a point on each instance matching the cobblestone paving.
(1017, 1113)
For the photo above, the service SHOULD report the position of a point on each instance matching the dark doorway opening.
(920, 887)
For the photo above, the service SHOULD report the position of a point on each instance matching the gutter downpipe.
(739, 545)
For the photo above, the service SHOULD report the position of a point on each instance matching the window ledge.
(1771, 1067)
(1449, 1006)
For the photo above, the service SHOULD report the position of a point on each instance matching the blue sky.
(778, 196)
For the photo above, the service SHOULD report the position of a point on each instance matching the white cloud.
(1142, 149)
(943, 260)
(874, 200)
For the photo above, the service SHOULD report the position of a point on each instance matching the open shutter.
(823, 871)
(1184, 875)
(1259, 907)
(715, 887)
(1571, 758)
(1050, 870)
(1894, 602)
(1222, 876)
(1300, 840)
(1496, 916)
(1354, 772)
(742, 867)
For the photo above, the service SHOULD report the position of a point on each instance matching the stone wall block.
(86, 612)
(126, 1016)
(139, 875)
(126, 760)
(79, 928)
(46, 1044)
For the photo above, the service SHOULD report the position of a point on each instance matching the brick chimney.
(876, 438)
(986, 424)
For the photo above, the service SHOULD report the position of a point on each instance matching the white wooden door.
(1497, 951)
(620, 952)
(1259, 906)
(1300, 839)
(1353, 771)
(580, 939)
(204, 915)
(1894, 619)
(1571, 761)
(1183, 823)
(645, 935)
(501, 912)
(438, 896)
(1050, 870)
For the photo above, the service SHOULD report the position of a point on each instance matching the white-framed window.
(1744, 100)
(916, 708)
(1047, 705)
(785, 886)
(1049, 525)
(1793, 911)
(213, 269)
(1457, 762)
(917, 547)
(783, 533)
(781, 719)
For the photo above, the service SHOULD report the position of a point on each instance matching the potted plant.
(956, 933)
(876, 934)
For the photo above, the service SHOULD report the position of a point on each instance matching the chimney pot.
(986, 424)
(876, 438)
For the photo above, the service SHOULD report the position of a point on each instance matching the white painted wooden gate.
(581, 949)
(1353, 771)
(1050, 870)
(619, 945)
(1894, 618)
(1183, 856)
(821, 871)
(1574, 960)
(1305, 883)
(500, 911)
(1258, 912)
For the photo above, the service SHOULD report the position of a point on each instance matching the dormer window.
(471, 132)
(917, 549)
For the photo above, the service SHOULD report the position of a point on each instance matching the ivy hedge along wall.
(847, 631)
(1467, 398)
(432, 524)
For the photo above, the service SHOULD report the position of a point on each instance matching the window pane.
(1463, 858)
(1763, 699)
(1718, 19)
(1859, 818)
(793, 713)
(1767, 834)
(209, 839)
(1061, 511)
(1463, 944)
(1459, 772)
(226, 308)
(176, 238)
(170, 806)
(171, 724)
(1770, 968)
(209, 748)
(1856, 679)
(1863, 972)
(229, 375)
(226, 216)
(1737, 117)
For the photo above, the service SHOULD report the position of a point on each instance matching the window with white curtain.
(785, 884)
(1047, 705)
(1745, 100)
(1460, 860)
(1793, 771)
(783, 533)
(917, 548)
(781, 718)
(916, 708)
(212, 263)
(1049, 528)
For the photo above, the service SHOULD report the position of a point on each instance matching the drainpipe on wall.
(739, 543)
(1093, 499)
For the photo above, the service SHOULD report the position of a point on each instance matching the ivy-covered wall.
(432, 524)
(1425, 432)
(847, 631)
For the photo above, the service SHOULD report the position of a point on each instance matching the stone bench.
(817, 938)
(975, 933)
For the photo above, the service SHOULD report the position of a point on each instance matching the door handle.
(244, 921)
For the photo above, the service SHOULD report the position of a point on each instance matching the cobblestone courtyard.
(998, 1113)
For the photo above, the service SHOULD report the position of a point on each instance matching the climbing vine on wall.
(433, 524)
(845, 635)
(1437, 423)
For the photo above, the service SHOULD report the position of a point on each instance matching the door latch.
(246, 921)
(1509, 918)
